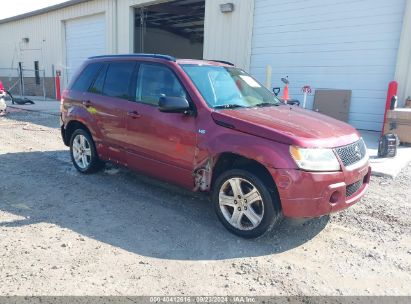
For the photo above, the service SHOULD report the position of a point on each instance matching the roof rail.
(223, 61)
(136, 55)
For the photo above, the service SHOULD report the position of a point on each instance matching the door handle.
(133, 114)
(86, 103)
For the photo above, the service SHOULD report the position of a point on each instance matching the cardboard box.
(399, 122)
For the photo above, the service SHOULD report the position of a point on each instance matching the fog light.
(335, 197)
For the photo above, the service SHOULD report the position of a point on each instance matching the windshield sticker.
(250, 81)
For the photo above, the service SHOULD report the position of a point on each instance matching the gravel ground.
(120, 233)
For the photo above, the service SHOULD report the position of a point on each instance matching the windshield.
(226, 87)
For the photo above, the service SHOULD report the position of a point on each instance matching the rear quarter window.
(86, 77)
(97, 86)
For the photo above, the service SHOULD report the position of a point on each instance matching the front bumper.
(312, 194)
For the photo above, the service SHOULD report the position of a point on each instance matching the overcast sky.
(16, 7)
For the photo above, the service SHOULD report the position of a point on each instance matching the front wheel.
(244, 204)
(83, 152)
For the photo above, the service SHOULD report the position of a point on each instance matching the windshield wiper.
(229, 106)
(266, 104)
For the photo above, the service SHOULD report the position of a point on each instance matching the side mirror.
(169, 104)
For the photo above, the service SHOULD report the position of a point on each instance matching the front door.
(161, 144)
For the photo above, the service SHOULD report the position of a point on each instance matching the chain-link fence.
(27, 82)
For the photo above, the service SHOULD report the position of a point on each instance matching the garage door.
(334, 44)
(85, 37)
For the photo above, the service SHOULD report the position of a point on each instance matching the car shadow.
(130, 211)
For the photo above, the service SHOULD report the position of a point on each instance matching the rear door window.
(118, 79)
(84, 80)
(155, 81)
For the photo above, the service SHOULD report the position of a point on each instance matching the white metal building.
(334, 44)
(340, 44)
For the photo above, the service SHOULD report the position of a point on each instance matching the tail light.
(63, 96)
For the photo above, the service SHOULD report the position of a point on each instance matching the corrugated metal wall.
(335, 44)
(331, 44)
(403, 71)
(125, 23)
(46, 37)
(228, 36)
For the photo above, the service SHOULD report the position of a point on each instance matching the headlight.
(312, 159)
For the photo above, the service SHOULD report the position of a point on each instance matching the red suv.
(209, 126)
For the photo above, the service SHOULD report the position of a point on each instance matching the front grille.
(352, 153)
(353, 188)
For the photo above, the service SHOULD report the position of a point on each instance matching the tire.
(248, 219)
(83, 152)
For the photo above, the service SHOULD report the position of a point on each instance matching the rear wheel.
(83, 152)
(244, 204)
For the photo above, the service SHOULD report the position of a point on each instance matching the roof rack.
(138, 55)
(223, 61)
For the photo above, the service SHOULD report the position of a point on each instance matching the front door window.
(155, 81)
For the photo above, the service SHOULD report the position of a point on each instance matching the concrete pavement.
(386, 167)
(48, 106)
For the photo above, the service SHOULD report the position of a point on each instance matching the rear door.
(107, 101)
(161, 144)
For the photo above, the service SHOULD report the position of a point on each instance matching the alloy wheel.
(81, 151)
(241, 203)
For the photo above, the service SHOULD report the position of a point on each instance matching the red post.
(392, 91)
(58, 90)
(286, 95)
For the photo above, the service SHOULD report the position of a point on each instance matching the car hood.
(288, 124)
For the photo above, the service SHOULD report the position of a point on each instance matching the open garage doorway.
(173, 28)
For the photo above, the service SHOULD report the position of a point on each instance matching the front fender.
(269, 153)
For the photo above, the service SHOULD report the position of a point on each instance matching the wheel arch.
(236, 166)
(72, 126)
(229, 160)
